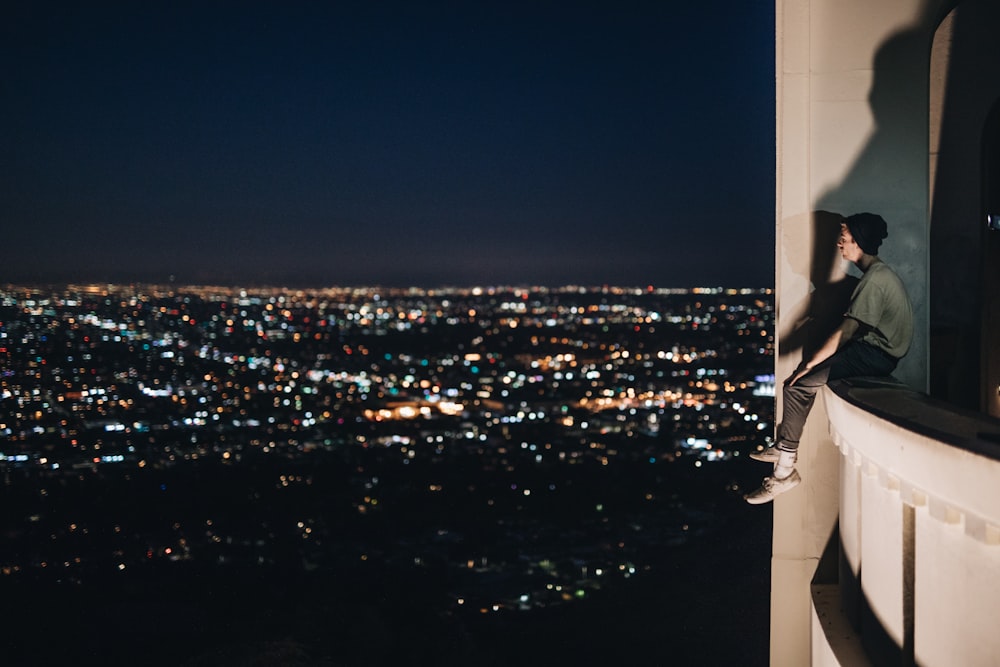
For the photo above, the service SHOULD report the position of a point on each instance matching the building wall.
(852, 136)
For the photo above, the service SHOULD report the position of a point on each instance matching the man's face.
(849, 250)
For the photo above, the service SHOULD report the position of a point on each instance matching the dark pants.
(853, 360)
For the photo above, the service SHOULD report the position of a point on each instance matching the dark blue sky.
(406, 143)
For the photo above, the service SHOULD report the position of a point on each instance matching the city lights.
(487, 408)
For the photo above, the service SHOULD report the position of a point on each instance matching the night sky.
(389, 143)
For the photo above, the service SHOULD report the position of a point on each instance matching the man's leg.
(797, 401)
(855, 359)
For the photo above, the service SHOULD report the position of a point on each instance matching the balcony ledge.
(903, 447)
(919, 532)
(896, 403)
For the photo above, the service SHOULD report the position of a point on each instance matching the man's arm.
(837, 340)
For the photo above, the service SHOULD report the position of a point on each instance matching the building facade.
(892, 107)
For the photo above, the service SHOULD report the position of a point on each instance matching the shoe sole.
(758, 500)
(766, 456)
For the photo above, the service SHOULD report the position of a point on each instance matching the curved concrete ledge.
(931, 453)
(918, 413)
(919, 528)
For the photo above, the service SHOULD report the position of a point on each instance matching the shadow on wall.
(815, 317)
(889, 177)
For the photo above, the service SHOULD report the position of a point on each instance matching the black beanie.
(868, 231)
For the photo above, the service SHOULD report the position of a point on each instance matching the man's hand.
(797, 375)
(837, 339)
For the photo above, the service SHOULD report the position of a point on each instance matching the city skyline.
(390, 144)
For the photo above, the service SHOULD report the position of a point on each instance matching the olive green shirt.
(880, 304)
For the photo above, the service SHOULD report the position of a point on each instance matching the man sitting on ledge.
(873, 337)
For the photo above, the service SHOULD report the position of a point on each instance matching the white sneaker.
(773, 487)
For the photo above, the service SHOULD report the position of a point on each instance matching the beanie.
(868, 230)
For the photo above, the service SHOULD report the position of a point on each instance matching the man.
(873, 337)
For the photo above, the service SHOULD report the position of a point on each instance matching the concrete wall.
(852, 136)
